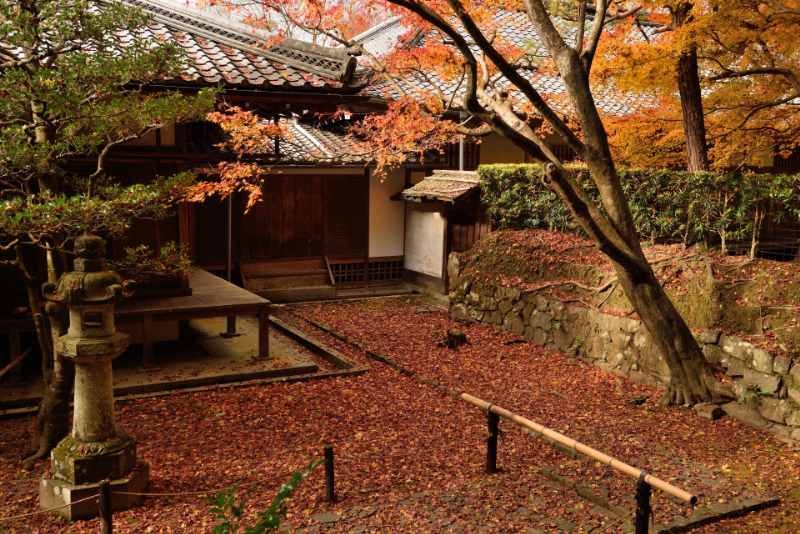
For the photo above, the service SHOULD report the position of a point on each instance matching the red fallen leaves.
(585, 403)
(395, 438)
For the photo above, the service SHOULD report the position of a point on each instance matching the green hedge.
(699, 207)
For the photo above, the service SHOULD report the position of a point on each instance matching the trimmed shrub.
(693, 207)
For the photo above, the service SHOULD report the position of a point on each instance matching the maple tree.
(719, 77)
(71, 79)
(356, 16)
(465, 64)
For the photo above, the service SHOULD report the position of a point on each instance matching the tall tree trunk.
(691, 378)
(694, 127)
(612, 228)
(688, 79)
(52, 422)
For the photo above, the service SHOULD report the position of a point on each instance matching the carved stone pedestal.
(54, 492)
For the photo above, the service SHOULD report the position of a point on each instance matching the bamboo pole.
(18, 359)
(581, 448)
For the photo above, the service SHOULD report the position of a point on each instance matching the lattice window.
(472, 155)
(791, 162)
(564, 153)
(385, 270)
(347, 272)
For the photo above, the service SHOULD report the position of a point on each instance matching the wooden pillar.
(148, 358)
(263, 334)
(366, 227)
(231, 330)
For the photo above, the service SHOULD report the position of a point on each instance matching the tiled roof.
(443, 186)
(304, 144)
(514, 28)
(236, 55)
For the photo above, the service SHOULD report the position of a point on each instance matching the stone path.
(209, 359)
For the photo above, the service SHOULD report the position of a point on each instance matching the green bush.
(696, 208)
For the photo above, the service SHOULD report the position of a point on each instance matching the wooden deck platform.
(211, 297)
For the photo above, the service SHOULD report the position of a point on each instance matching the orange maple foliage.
(749, 66)
(246, 134)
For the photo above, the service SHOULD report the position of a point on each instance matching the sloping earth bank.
(755, 299)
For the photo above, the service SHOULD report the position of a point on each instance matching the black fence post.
(106, 520)
(330, 495)
(643, 509)
(491, 443)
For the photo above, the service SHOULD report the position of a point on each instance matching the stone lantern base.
(77, 468)
(54, 492)
(76, 462)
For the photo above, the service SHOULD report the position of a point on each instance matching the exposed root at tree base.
(30, 461)
(678, 395)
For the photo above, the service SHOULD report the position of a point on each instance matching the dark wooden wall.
(288, 222)
(154, 234)
(344, 215)
(299, 216)
(466, 224)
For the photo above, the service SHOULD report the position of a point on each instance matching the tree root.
(607, 296)
(30, 461)
(597, 289)
(679, 395)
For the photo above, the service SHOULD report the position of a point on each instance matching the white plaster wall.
(162, 331)
(425, 232)
(497, 149)
(386, 216)
(147, 140)
(168, 136)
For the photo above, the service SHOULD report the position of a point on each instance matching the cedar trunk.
(694, 127)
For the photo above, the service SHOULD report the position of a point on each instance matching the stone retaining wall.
(623, 346)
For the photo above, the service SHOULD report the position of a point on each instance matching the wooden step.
(271, 275)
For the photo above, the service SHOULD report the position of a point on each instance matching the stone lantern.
(96, 449)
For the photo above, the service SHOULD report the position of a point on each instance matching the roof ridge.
(375, 29)
(333, 63)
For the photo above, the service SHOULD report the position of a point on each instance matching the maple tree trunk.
(694, 126)
(691, 379)
(52, 422)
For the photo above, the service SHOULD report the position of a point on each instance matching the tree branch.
(594, 36)
(782, 10)
(514, 76)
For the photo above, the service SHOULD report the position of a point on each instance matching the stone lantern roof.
(91, 283)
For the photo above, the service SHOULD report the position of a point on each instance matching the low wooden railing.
(644, 480)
